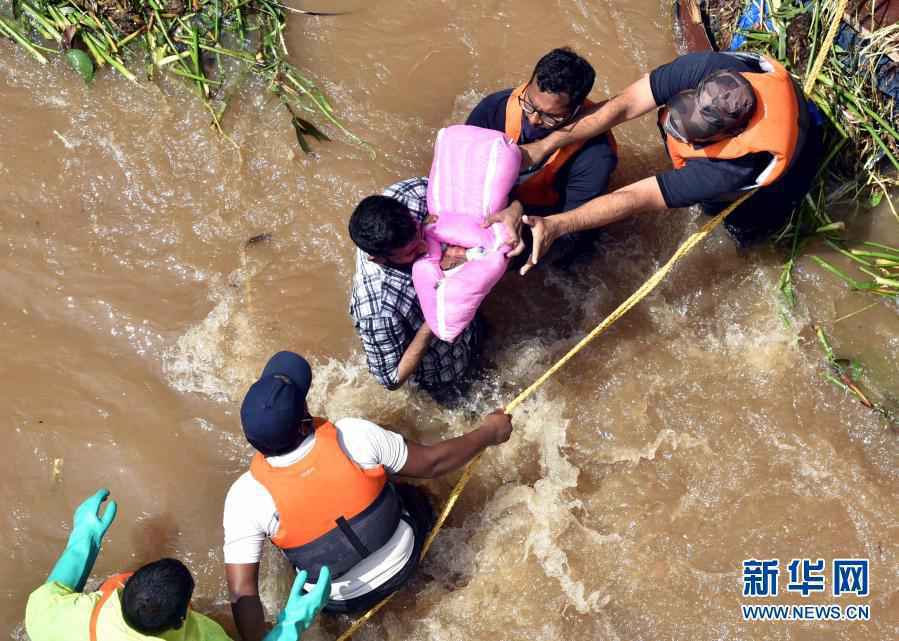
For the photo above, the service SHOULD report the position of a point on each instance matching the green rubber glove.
(77, 561)
(301, 609)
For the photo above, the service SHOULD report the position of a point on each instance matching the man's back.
(56, 612)
(251, 515)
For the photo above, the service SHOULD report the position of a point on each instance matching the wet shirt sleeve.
(703, 180)
(55, 612)
(370, 445)
(490, 113)
(248, 516)
(686, 72)
(413, 193)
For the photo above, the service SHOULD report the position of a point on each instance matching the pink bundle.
(472, 174)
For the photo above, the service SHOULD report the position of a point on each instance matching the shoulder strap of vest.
(514, 113)
(539, 188)
(260, 468)
(108, 588)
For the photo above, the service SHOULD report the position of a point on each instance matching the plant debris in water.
(846, 374)
(211, 44)
(862, 163)
(856, 90)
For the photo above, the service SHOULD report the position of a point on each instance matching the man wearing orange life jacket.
(149, 604)
(571, 176)
(731, 122)
(323, 493)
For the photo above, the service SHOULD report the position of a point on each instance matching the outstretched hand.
(77, 560)
(545, 231)
(88, 522)
(301, 609)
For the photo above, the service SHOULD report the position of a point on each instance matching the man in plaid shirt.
(384, 306)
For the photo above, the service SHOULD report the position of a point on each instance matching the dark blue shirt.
(584, 177)
(702, 180)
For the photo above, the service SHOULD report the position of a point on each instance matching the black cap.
(721, 105)
(275, 404)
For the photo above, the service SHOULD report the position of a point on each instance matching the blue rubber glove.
(77, 561)
(301, 609)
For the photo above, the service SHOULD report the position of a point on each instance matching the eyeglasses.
(550, 120)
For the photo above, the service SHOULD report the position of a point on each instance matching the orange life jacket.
(331, 512)
(108, 588)
(774, 127)
(540, 188)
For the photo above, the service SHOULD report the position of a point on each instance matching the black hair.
(380, 225)
(563, 71)
(156, 597)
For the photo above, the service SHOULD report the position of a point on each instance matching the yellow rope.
(620, 311)
(825, 47)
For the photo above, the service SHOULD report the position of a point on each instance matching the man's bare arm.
(431, 461)
(643, 195)
(243, 587)
(413, 355)
(631, 103)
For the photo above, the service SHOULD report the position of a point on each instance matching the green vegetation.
(846, 374)
(212, 44)
(862, 163)
(860, 168)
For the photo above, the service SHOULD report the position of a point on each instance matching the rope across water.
(620, 311)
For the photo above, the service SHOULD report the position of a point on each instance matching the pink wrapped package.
(472, 174)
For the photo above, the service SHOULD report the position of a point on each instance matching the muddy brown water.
(695, 434)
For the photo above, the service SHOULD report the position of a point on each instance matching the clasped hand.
(544, 229)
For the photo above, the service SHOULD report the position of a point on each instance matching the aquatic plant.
(862, 163)
(846, 374)
(212, 44)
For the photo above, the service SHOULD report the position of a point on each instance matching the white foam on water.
(196, 364)
(613, 453)
(218, 356)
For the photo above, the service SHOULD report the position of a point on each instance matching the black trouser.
(420, 516)
(451, 395)
(769, 209)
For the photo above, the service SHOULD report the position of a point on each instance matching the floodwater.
(696, 433)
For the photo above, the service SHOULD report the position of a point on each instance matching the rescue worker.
(572, 175)
(152, 603)
(323, 493)
(731, 122)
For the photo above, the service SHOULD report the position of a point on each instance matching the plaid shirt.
(387, 315)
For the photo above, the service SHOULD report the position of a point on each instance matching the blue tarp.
(751, 20)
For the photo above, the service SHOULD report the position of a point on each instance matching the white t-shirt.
(250, 515)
